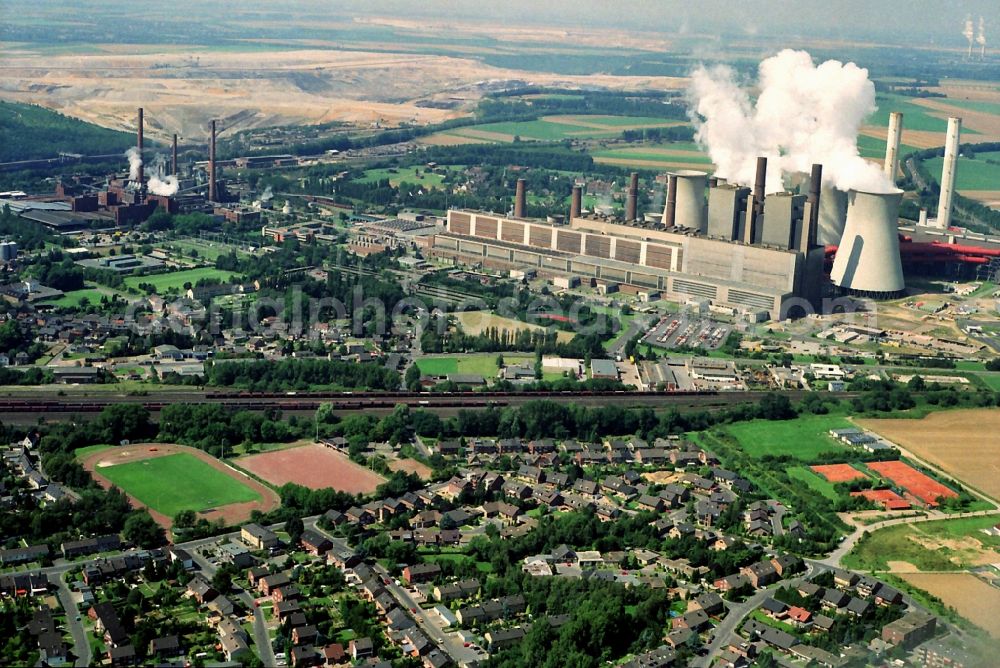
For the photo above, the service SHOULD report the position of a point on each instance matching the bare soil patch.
(411, 466)
(312, 466)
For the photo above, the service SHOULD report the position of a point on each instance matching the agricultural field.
(813, 480)
(680, 155)
(312, 466)
(175, 280)
(557, 128)
(962, 443)
(970, 596)
(805, 438)
(973, 173)
(167, 479)
(942, 545)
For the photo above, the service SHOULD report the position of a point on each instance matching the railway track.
(311, 401)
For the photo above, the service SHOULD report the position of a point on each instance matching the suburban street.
(81, 648)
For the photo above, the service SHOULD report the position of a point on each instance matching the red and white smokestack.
(631, 198)
(576, 203)
(670, 210)
(138, 146)
(520, 199)
(173, 157)
(211, 166)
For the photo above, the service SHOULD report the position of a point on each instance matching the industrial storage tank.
(690, 210)
(832, 216)
(867, 261)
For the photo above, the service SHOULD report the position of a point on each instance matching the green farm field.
(973, 174)
(805, 438)
(406, 175)
(557, 128)
(483, 365)
(177, 279)
(176, 482)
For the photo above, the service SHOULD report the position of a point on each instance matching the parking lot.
(676, 331)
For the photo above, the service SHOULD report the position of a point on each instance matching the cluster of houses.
(21, 460)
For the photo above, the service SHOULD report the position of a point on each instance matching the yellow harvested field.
(483, 134)
(990, 198)
(974, 599)
(445, 139)
(962, 443)
(630, 162)
(475, 322)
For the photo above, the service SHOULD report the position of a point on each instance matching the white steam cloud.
(267, 195)
(803, 114)
(134, 163)
(159, 182)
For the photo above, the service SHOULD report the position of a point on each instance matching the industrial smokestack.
(755, 208)
(948, 172)
(173, 157)
(631, 198)
(713, 181)
(576, 203)
(891, 165)
(138, 145)
(810, 224)
(520, 200)
(670, 209)
(922, 219)
(211, 166)
(867, 261)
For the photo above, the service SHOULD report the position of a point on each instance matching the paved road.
(81, 647)
(427, 620)
(725, 630)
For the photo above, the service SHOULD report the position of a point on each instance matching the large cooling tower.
(867, 261)
(832, 216)
(690, 206)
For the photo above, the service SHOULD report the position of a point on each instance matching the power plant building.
(676, 261)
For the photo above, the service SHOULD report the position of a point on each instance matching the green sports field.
(804, 438)
(177, 279)
(816, 482)
(177, 482)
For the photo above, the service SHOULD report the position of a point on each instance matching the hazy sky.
(930, 19)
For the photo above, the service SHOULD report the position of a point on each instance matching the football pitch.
(177, 482)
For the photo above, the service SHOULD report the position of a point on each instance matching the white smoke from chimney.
(969, 33)
(267, 195)
(981, 37)
(159, 182)
(804, 114)
(134, 163)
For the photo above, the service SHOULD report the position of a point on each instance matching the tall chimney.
(756, 208)
(891, 165)
(211, 166)
(631, 197)
(576, 203)
(520, 200)
(922, 219)
(807, 239)
(138, 145)
(173, 157)
(670, 210)
(948, 172)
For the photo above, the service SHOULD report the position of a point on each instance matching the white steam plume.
(134, 163)
(804, 114)
(160, 183)
(969, 33)
(981, 37)
(267, 195)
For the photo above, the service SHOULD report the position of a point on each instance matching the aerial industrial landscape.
(547, 334)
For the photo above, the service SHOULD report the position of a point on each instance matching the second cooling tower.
(689, 208)
(867, 261)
